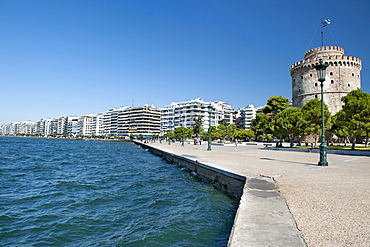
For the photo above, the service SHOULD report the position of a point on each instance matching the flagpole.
(322, 34)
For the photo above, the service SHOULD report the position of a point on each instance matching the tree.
(275, 104)
(197, 125)
(214, 133)
(169, 134)
(289, 124)
(241, 134)
(312, 118)
(230, 131)
(262, 124)
(355, 115)
(180, 131)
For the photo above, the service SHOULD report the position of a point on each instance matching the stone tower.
(342, 76)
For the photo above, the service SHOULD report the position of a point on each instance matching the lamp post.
(182, 131)
(321, 69)
(209, 128)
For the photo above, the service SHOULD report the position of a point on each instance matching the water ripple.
(76, 193)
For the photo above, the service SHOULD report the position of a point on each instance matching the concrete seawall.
(262, 218)
(232, 183)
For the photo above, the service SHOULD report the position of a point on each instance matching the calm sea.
(92, 193)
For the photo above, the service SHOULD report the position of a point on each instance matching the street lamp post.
(321, 69)
(182, 131)
(209, 128)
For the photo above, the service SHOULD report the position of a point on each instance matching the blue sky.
(76, 57)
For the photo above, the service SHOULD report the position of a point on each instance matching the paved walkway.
(330, 205)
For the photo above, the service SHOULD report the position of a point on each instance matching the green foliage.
(197, 125)
(262, 124)
(182, 131)
(353, 119)
(312, 118)
(275, 104)
(169, 134)
(244, 135)
(289, 123)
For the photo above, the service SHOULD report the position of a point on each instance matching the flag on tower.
(326, 22)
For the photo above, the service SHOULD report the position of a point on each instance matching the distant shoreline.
(71, 138)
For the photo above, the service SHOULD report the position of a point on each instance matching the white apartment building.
(26, 128)
(184, 113)
(84, 125)
(110, 120)
(245, 116)
(138, 121)
(72, 125)
(10, 128)
(97, 124)
(90, 125)
(47, 127)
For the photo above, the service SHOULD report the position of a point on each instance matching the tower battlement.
(343, 76)
(334, 50)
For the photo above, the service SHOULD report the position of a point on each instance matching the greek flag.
(326, 22)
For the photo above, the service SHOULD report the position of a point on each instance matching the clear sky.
(77, 57)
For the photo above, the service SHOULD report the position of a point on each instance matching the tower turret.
(342, 76)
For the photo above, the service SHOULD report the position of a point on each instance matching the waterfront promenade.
(330, 205)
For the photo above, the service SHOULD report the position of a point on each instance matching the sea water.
(57, 192)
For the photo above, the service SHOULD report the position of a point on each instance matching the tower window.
(332, 81)
(310, 75)
(331, 72)
(301, 76)
(349, 84)
(315, 84)
(353, 74)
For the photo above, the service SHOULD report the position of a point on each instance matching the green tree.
(275, 104)
(214, 134)
(244, 135)
(179, 131)
(231, 131)
(197, 125)
(355, 115)
(169, 134)
(312, 118)
(222, 131)
(262, 124)
(289, 124)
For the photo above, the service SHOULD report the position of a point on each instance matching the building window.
(316, 96)
(349, 84)
(301, 76)
(299, 90)
(331, 73)
(310, 75)
(332, 81)
(353, 74)
(315, 84)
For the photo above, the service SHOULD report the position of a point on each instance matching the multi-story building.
(97, 124)
(46, 127)
(27, 128)
(184, 114)
(84, 125)
(110, 121)
(72, 126)
(10, 128)
(245, 116)
(62, 125)
(138, 121)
